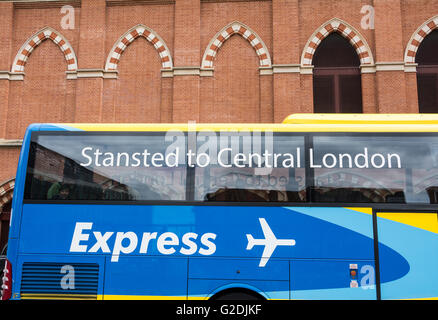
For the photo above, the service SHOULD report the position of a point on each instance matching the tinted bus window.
(383, 169)
(233, 167)
(251, 167)
(117, 167)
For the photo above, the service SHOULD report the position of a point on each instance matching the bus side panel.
(20, 179)
(217, 231)
(272, 290)
(345, 266)
(146, 278)
(332, 280)
(146, 244)
(17, 202)
(208, 274)
(414, 235)
(59, 277)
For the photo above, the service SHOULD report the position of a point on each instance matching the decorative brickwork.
(418, 37)
(336, 25)
(6, 191)
(45, 33)
(240, 29)
(132, 34)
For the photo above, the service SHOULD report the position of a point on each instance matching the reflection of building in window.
(355, 185)
(243, 185)
(425, 183)
(52, 176)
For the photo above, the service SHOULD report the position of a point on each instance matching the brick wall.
(178, 71)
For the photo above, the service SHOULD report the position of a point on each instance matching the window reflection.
(55, 171)
(415, 181)
(243, 184)
(405, 170)
(254, 184)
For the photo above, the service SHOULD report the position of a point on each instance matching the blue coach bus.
(319, 207)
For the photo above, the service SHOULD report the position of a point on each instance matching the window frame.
(336, 72)
(369, 135)
(30, 162)
(427, 70)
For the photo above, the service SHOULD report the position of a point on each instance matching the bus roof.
(293, 123)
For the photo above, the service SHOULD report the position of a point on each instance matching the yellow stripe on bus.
(132, 297)
(228, 127)
(45, 296)
(362, 210)
(366, 118)
(421, 220)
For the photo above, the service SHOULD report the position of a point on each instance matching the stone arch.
(418, 37)
(6, 192)
(229, 30)
(132, 34)
(31, 43)
(351, 34)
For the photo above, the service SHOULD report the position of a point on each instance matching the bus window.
(382, 169)
(103, 167)
(272, 171)
(425, 180)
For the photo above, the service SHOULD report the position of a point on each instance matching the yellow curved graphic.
(362, 210)
(422, 220)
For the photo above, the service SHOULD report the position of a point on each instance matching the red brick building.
(208, 61)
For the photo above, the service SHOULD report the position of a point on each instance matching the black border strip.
(309, 173)
(376, 256)
(388, 207)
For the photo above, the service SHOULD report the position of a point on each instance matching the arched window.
(336, 77)
(5, 216)
(427, 73)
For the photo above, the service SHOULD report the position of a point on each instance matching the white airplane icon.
(270, 242)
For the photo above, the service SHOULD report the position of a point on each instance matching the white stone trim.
(417, 37)
(10, 143)
(12, 76)
(113, 58)
(355, 38)
(35, 40)
(91, 73)
(247, 33)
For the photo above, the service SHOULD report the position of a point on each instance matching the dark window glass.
(104, 167)
(396, 169)
(427, 52)
(324, 94)
(233, 167)
(241, 167)
(336, 77)
(335, 51)
(350, 93)
(277, 176)
(427, 91)
(427, 73)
